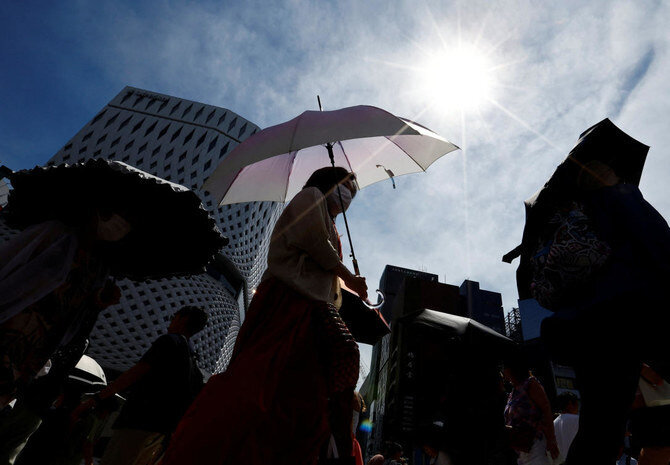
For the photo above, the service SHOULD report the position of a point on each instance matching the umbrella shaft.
(344, 215)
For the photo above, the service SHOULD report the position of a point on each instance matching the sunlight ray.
(524, 124)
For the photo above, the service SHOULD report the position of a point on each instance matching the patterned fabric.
(569, 258)
(521, 411)
(28, 339)
(338, 347)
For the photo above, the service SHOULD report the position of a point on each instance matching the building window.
(150, 129)
(112, 119)
(188, 109)
(125, 122)
(137, 126)
(163, 131)
(188, 137)
(174, 108)
(198, 113)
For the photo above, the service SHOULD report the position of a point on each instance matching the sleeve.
(644, 225)
(161, 352)
(307, 228)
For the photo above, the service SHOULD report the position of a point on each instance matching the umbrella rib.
(411, 158)
(290, 171)
(345, 155)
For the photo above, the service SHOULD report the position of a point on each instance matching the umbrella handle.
(380, 301)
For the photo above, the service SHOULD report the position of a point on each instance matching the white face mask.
(113, 229)
(333, 200)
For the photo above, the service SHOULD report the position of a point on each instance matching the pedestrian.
(54, 280)
(358, 409)
(528, 416)
(650, 419)
(393, 455)
(566, 423)
(161, 386)
(611, 322)
(295, 365)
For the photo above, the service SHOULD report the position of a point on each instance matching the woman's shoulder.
(312, 192)
(307, 198)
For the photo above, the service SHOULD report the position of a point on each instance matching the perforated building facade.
(181, 141)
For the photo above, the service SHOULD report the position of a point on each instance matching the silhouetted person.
(618, 318)
(161, 387)
(528, 415)
(566, 424)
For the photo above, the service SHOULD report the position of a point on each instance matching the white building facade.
(181, 141)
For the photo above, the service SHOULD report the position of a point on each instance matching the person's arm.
(355, 283)
(539, 397)
(126, 380)
(123, 382)
(307, 231)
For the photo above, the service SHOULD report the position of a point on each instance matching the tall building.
(181, 141)
(483, 306)
(400, 367)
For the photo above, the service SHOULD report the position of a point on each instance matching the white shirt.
(566, 426)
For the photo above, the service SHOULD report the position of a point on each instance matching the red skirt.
(271, 404)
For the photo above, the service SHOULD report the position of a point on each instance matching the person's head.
(567, 402)
(393, 451)
(595, 174)
(327, 180)
(188, 320)
(516, 369)
(359, 402)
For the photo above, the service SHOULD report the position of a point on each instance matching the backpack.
(568, 258)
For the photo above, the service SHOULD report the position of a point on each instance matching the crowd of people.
(288, 395)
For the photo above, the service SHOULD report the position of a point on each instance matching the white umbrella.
(88, 371)
(275, 163)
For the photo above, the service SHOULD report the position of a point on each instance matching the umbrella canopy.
(171, 232)
(603, 142)
(89, 372)
(459, 330)
(274, 163)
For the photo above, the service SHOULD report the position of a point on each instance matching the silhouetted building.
(181, 141)
(398, 388)
(513, 325)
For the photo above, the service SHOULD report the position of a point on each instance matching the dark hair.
(518, 366)
(564, 399)
(196, 318)
(325, 179)
(392, 448)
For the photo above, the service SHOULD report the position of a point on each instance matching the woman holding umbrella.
(295, 364)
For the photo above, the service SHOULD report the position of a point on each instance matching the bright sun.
(459, 78)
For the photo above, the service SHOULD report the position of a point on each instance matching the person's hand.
(81, 409)
(653, 378)
(358, 285)
(552, 447)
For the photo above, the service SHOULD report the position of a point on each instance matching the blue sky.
(552, 69)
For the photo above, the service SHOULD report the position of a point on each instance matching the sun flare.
(460, 78)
